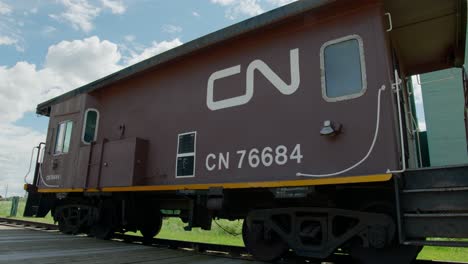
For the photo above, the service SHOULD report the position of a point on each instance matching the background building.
(444, 107)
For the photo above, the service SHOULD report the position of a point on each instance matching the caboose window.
(63, 137)
(90, 126)
(186, 147)
(343, 69)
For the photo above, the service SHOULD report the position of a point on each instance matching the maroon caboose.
(296, 120)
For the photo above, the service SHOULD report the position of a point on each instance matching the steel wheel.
(105, 225)
(150, 224)
(69, 221)
(264, 245)
(102, 231)
(393, 253)
(398, 254)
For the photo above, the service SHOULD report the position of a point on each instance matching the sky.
(48, 47)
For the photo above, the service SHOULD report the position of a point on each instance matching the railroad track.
(25, 223)
(233, 252)
(212, 249)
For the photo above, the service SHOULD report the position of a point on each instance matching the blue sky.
(48, 47)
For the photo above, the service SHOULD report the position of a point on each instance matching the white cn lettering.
(207, 163)
(262, 67)
(223, 161)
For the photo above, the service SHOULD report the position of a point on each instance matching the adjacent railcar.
(297, 121)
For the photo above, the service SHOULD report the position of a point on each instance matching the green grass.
(5, 207)
(444, 254)
(173, 229)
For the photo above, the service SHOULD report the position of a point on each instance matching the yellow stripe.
(268, 184)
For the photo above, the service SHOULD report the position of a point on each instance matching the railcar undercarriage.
(367, 221)
(309, 223)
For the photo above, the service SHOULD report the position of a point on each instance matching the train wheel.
(102, 231)
(150, 224)
(398, 254)
(264, 245)
(104, 227)
(394, 253)
(69, 221)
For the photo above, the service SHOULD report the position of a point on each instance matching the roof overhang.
(428, 35)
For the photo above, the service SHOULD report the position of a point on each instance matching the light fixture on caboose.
(330, 129)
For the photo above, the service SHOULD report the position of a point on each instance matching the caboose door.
(90, 151)
(57, 170)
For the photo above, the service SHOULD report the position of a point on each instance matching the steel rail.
(26, 223)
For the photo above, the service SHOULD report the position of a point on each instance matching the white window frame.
(64, 135)
(84, 125)
(363, 69)
(194, 154)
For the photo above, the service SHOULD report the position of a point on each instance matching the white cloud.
(47, 30)
(129, 38)
(4, 40)
(236, 8)
(171, 29)
(81, 61)
(79, 13)
(68, 65)
(224, 2)
(116, 6)
(21, 88)
(31, 11)
(195, 14)
(280, 2)
(5, 9)
(16, 144)
(10, 32)
(156, 48)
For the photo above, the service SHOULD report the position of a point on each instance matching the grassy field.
(173, 229)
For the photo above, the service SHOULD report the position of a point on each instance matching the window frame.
(85, 119)
(363, 69)
(188, 154)
(55, 153)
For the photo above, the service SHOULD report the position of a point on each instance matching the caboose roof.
(428, 35)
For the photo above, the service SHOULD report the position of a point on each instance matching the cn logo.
(284, 88)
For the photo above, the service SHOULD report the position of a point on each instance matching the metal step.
(451, 199)
(436, 215)
(443, 189)
(434, 203)
(447, 189)
(441, 243)
(436, 177)
(436, 224)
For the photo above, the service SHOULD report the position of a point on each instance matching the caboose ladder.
(434, 204)
(37, 204)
